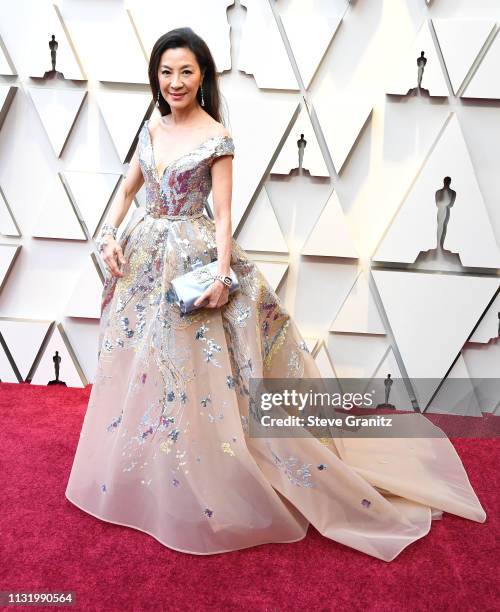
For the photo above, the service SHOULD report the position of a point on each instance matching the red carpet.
(49, 544)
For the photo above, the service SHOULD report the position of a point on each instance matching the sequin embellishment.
(296, 473)
(226, 447)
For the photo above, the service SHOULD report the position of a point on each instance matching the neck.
(183, 116)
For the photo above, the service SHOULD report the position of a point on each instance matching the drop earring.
(202, 100)
(158, 99)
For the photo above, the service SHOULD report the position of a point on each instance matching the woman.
(165, 445)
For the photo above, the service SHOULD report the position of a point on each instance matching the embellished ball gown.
(165, 446)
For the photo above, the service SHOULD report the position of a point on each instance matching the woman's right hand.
(113, 256)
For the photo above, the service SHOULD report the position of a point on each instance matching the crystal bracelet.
(106, 230)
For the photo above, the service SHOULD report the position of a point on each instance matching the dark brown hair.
(186, 37)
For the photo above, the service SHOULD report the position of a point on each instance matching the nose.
(176, 80)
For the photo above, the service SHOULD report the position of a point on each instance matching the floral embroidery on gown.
(165, 445)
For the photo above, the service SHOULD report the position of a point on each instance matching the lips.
(177, 96)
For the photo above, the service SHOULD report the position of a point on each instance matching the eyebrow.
(185, 66)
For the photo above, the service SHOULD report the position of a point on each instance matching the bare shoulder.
(153, 122)
(220, 130)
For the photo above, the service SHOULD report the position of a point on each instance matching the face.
(179, 73)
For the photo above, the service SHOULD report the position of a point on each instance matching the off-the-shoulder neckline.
(160, 176)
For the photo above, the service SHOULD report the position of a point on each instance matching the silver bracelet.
(106, 230)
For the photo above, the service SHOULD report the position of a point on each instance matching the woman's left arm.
(222, 187)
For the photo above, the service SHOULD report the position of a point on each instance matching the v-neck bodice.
(186, 182)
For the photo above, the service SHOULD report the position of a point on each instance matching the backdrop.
(367, 146)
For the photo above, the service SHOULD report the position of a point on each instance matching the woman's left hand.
(217, 295)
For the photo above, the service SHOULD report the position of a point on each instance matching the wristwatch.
(227, 280)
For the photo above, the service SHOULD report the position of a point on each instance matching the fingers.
(120, 255)
(113, 257)
(203, 298)
(213, 298)
(216, 298)
(223, 298)
(221, 302)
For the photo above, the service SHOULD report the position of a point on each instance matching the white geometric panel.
(324, 363)
(486, 81)
(310, 26)
(431, 316)
(273, 271)
(24, 338)
(359, 313)
(108, 42)
(70, 370)
(8, 254)
(254, 148)
(57, 109)
(7, 93)
(268, 63)
(208, 19)
(312, 160)
(6, 66)
(389, 365)
(90, 192)
(57, 219)
(483, 364)
(458, 398)
(7, 373)
(405, 76)
(469, 232)
(496, 408)
(322, 288)
(39, 21)
(4, 92)
(460, 41)
(398, 394)
(356, 356)
(331, 237)
(342, 117)
(123, 114)
(487, 329)
(389, 164)
(85, 300)
(261, 230)
(8, 224)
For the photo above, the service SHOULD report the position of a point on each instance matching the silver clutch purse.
(190, 286)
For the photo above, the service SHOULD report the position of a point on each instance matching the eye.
(184, 72)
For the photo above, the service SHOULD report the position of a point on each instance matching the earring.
(202, 100)
(158, 99)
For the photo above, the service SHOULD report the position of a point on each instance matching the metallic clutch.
(191, 285)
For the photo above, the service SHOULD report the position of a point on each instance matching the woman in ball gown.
(165, 445)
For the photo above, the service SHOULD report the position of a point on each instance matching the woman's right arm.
(127, 191)
(130, 185)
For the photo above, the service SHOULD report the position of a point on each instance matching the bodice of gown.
(186, 182)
